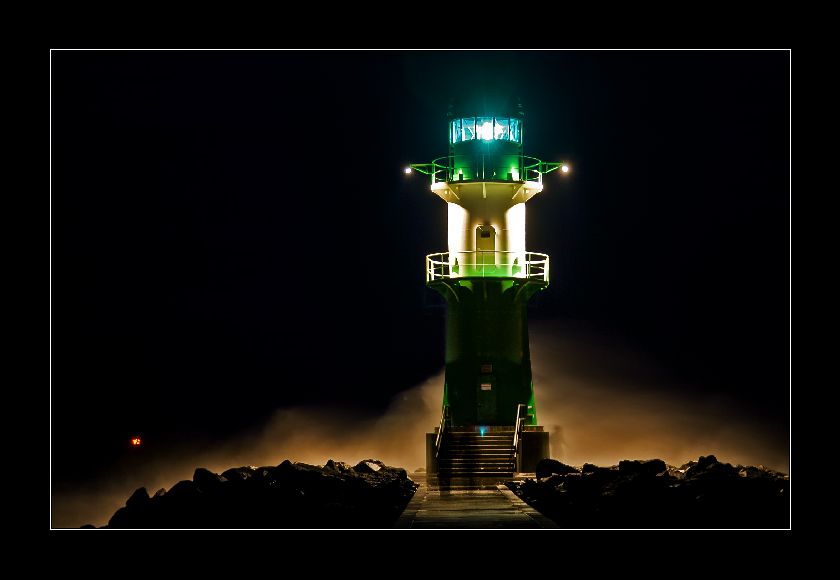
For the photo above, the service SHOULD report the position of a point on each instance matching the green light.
(485, 129)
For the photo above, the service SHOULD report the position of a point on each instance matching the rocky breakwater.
(369, 494)
(650, 494)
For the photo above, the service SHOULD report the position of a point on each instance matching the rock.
(206, 480)
(239, 473)
(554, 480)
(285, 467)
(138, 499)
(649, 494)
(647, 467)
(88, 527)
(368, 466)
(547, 467)
(182, 489)
(339, 466)
(160, 493)
(122, 519)
(600, 473)
(290, 495)
(709, 467)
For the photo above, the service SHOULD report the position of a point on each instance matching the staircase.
(471, 454)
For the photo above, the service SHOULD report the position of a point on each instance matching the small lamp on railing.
(407, 170)
(564, 168)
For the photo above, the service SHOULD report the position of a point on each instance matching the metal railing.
(521, 417)
(444, 419)
(485, 168)
(487, 264)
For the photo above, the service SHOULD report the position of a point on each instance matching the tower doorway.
(485, 246)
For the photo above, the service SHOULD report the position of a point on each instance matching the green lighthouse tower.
(488, 424)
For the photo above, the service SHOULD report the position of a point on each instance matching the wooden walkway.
(468, 505)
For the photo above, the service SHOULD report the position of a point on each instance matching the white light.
(564, 168)
(407, 170)
(487, 131)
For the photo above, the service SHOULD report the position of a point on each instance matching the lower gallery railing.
(489, 264)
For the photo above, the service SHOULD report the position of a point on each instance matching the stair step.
(505, 451)
(478, 451)
(476, 454)
(476, 460)
(495, 469)
(469, 444)
(486, 437)
(476, 474)
(456, 431)
(479, 442)
(477, 436)
(476, 467)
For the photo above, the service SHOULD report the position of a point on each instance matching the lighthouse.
(489, 423)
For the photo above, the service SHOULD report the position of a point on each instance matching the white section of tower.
(487, 222)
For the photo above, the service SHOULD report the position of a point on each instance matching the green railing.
(485, 168)
(487, 264)
(521, 418)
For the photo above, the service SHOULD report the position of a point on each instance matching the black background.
(232, 232)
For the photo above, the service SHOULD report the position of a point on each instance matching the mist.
(603, 402)
(600, 400)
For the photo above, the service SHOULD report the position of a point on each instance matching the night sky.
(232, 232)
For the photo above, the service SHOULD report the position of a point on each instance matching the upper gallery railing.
(485, 168)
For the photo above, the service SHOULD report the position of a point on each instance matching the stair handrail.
(444, 416)
(520, 422)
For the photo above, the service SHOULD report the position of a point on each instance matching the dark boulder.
(239, 473)
(759, 472)
(554, 480)
(182, 490)
(647, 467)
(649, 494)
(708, 467)
(368, 466)
(206, 480)
(139, 499)
(290, 495)
(601, 474)
(122, 519)
(548, 467)
(338, 466)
